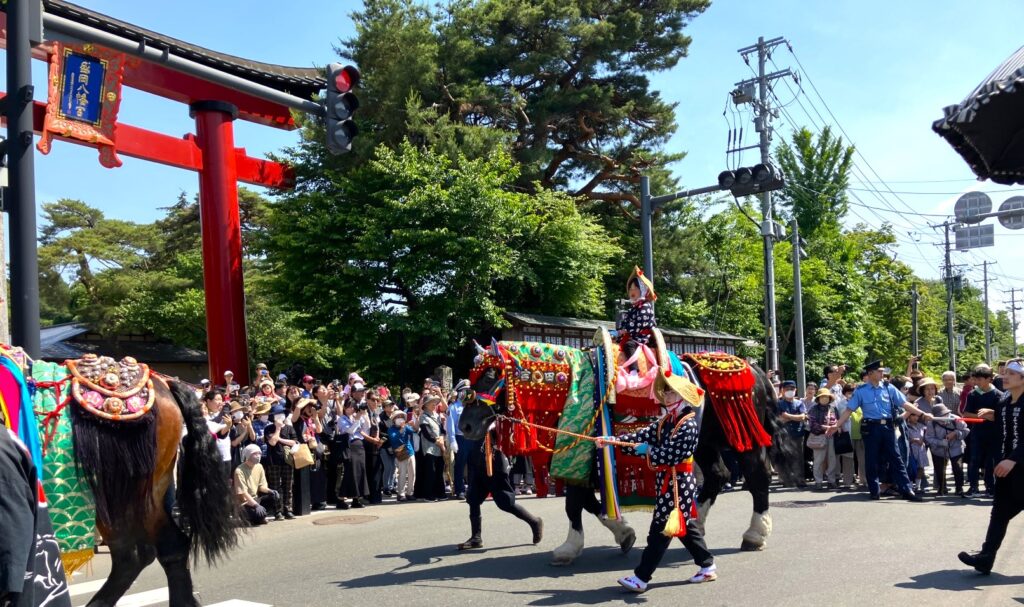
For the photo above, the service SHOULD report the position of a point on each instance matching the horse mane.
(117, 460)
(204, 495)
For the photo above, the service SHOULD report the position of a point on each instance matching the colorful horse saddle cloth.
(112, 390)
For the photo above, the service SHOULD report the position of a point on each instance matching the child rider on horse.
(635, 328)
(668, 445)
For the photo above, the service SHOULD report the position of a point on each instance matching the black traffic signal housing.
(341, 104)
(751, 180)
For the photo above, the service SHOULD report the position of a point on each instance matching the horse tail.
(785, 453)
(204, 495)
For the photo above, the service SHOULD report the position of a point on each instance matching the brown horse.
(130, 467)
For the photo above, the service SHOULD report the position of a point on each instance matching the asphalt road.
(826, 548)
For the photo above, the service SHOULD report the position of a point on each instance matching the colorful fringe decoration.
(609, 482)
(729, 382)
(72, 509)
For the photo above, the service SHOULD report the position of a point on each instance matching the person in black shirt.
(280, 435)
(983, 436)
(17, 519)
(1008, 419)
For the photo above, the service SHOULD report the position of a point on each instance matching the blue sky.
(884, 69)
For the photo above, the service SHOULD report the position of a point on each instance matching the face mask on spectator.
(279, 418)
(237, 415)
(789, 393)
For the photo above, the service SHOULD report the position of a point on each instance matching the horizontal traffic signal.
(751, 180)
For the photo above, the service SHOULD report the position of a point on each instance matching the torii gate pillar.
(222, 240)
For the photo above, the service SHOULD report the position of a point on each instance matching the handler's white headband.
(1016, 366)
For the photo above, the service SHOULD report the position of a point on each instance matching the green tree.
(817, 176)
(120, 276)
(416, 253)
(566, 80)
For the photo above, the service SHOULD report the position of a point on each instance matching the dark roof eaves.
(580, 323)
(309, 79)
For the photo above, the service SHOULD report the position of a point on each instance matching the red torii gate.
(210, 151)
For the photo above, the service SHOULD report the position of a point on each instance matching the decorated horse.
(547, 402)
(110, 435)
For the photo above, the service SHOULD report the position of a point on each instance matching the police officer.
(1008, 417)
(881, 404)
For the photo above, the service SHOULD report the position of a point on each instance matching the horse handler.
(1009, 472)
(669, 445)
(498, 485)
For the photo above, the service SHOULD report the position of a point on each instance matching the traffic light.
(751, 180)
(341, 104)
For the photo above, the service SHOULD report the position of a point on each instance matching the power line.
(855, 168)
(841, 129)
(910, 193)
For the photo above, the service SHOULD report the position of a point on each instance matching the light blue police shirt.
(876, 401)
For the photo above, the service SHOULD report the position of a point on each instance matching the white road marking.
(141, 599)
(86, 587)
(239, 603)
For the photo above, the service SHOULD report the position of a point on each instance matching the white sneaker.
(706, 574)
(633, 584)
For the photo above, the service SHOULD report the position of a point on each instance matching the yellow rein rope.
(580, 437)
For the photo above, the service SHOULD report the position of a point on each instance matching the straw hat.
(927, 382)
(680, 385)
(647, 287)
(235, 406)
(262, 409)
(304, 402)
(825, 392)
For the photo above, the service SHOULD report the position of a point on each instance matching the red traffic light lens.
(346, 79)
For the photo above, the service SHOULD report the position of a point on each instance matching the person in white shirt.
(219, 422)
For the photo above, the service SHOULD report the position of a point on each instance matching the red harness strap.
(52, 418)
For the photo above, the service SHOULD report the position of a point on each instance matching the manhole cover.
(347, 519)
(798, 504)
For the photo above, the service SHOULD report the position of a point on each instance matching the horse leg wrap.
(567, 552)
(625, 537)
(756, 536)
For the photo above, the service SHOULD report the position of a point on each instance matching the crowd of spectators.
(293, 448)
(930, 445)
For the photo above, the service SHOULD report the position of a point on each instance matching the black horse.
(480, 414)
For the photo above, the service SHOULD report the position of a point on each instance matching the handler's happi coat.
(669, 447)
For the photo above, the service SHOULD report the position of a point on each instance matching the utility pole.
(798, 308)
(988, 330)
(763, 113)
(1013, 319)
(21, 172)
(915, 299)
(951, 339)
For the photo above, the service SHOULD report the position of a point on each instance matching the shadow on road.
(959, 579)
(446, 564)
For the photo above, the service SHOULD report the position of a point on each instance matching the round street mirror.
(972, 204)
(1015, 221)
